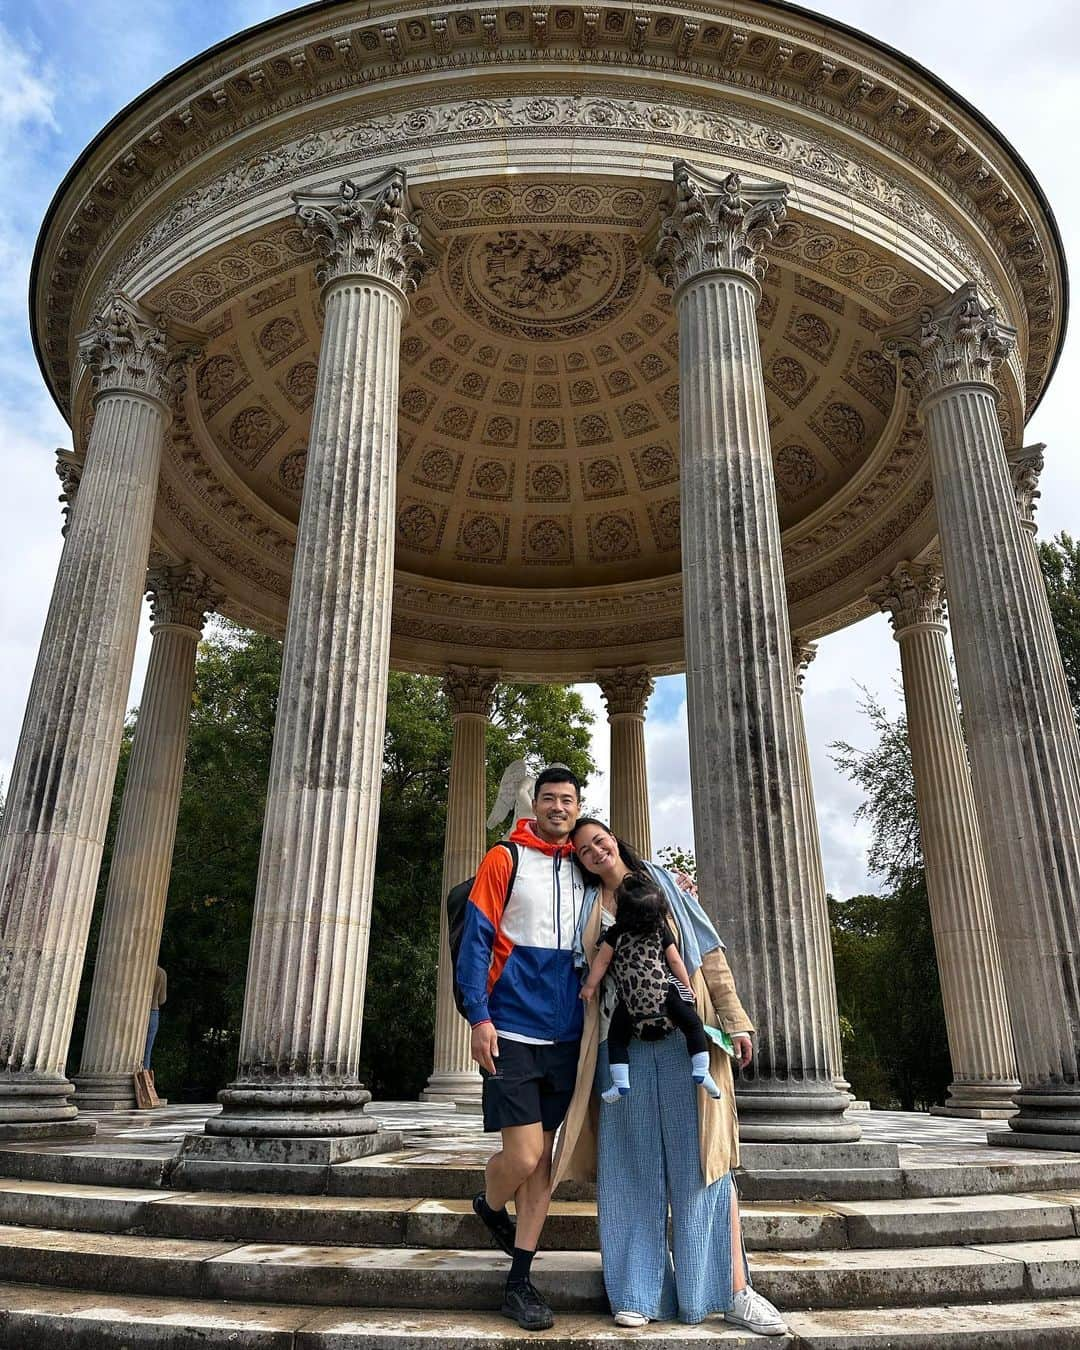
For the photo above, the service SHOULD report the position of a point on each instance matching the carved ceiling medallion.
(544, 285)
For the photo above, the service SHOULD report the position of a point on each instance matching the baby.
(651, 981)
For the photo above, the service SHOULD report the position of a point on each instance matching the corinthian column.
(626, 692)
(300, 1038)
(802, 653)
(972, 987)
(752, 834)
(180, 597)
(1025, 761)
(455, 1077)
(58, 802)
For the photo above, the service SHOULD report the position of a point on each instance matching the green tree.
(215, 867)
(886, 968)
(1059, 559)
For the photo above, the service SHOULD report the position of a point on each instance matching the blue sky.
(67, 66)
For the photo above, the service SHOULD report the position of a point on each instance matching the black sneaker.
(525, 1306)
(498, 1223)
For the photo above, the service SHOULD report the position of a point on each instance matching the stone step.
(469, 1279)
(33, 1316)
(571, 1225)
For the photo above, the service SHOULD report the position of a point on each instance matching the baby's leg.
(618, 1043)
(684, 1015)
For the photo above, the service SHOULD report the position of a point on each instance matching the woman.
(667, 1142)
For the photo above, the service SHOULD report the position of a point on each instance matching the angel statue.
(515, 795)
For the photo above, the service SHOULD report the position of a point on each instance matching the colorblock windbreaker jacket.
(515, 967)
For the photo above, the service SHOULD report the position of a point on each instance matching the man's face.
(557, 809)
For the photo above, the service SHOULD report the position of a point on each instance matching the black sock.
(488, 1211)
(520, 1266)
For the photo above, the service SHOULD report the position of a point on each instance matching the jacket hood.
(525, 835)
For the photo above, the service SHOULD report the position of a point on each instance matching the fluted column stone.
(752, 835)
(134, 912)
(626, 692)
(455, 1078)
(802, 653)
(304, 998)
(961, 912)
(58, 800)
(1025, 760)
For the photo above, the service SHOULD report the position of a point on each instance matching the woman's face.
(597, 848)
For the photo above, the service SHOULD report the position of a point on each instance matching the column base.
(287, 1111)
(296, 1166)
(781, 1113)
(36, 1100)
(994, 1100)
(454, 1089)
(31, 1131)
(1048, 1118)
(104, 1092)
(974, 1112)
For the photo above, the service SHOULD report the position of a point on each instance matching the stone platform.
(956, 1245)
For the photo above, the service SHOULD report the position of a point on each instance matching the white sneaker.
(755, 1313)
(631, 1319)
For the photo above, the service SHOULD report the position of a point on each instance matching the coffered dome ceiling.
(537, 520)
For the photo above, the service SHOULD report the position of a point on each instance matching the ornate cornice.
(1026, 466)
(69, 468)
(181, 596)
(959, 341)
(626, 690)
(912, 594)
(803, 652)
(363, 231)
(469, 690)
(128, 350)
(717, 225)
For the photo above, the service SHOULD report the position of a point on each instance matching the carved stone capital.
(127, 349)
(1026, 465)
(363, 231)
(69, 468)
(957, 342)
(180, 595)
(802, 653)
(626, 690)
(469, 689)
(911, 594)
(717, 224)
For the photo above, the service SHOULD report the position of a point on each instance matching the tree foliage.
(212, 888)
(1059, 559)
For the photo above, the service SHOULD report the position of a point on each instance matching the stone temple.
(546, 343)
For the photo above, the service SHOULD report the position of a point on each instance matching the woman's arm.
(597, 970)
(721, 986)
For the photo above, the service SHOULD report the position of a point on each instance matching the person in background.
(157, 998)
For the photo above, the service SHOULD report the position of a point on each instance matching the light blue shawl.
(697, 935)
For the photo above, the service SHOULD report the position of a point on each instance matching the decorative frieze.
(717, 224)
(960, 341)
(363, 231)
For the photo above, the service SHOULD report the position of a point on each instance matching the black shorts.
(531, 1084)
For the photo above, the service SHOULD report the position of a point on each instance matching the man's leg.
(509, 1170)
(533, 1196)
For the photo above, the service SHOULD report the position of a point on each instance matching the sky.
(66, 66)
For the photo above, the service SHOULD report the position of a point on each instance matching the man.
(515, 969)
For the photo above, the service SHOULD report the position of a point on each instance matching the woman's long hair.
(630, 856)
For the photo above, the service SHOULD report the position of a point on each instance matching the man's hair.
(557, 773)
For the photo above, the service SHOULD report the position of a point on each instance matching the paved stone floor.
(435, 1134)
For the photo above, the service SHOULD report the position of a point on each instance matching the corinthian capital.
(125, 348)
(626, 690)
(911, 594)
(363, 231)
(717, 224)
(69, 468)
(469, 689)
(181, 595)
(1026, 465)
(959, 341)
(802, 653)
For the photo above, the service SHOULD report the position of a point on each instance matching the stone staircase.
(102, 1250)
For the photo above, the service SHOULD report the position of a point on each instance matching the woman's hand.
(744, 1049)
(686, 883)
